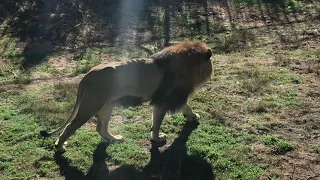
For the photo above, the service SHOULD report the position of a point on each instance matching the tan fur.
(166, 79)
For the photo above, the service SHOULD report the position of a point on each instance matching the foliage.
(280, 146)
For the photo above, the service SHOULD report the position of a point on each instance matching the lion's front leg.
(189, 114)
(104, 116)
(157, 118)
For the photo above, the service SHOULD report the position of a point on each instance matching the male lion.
(166, 79)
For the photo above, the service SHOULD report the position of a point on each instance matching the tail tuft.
(44, 134)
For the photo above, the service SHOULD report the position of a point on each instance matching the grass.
(8, 47)
(20, 130)
(225, 150)
(316, 149)
(89, 60)
(253, 80)
(288, 5)
(235, 41)
(279, 145)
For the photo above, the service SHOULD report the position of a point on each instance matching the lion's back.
(134, 78)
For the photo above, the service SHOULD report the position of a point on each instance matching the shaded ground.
(169, 162)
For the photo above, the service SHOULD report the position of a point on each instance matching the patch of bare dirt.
(294, 165)
(297, 164)
(40, 82)
(9, 87)
(307, 67)
(61, 63)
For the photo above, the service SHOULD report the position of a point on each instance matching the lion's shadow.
(166, 163)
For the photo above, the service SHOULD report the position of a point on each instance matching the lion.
(166, 79)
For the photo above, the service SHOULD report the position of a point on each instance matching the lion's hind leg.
(104, 116)
(89, 106)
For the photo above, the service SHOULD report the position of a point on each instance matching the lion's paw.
(110, 137)
(118, 138)
(193, 117)
(162, 138)
(57, 141)
(60, 149)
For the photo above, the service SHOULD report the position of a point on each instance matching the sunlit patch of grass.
(128, 113)
(283, 99)
(19, 137)
(11, 72)
(224, 150)
(51, 106)
(283, 76)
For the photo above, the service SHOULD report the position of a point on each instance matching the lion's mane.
(186, 66)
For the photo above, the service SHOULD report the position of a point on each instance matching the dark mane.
(180, 63)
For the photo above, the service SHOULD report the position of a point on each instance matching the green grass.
(89, 60)
(235, 41)
(288, 5)
(19, 138)
(8, 47)
(279, 145)
(220, 148)
(316, 149)
(283, 99)
(253, 80)
(224, 150)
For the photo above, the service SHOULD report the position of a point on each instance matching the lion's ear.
(208, 54)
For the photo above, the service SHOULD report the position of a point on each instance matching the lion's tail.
(45, 133)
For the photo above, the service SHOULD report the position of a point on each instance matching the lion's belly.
(140, 81)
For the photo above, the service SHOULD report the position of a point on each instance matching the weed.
(257, 108)
(22, 79)
(65, 91)
(8, 47)
(253, 80)
(10, 70)
(316, 149)
(89, 60)
(280, 146)
(294, 5)
(235, 41)
(282, 61)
